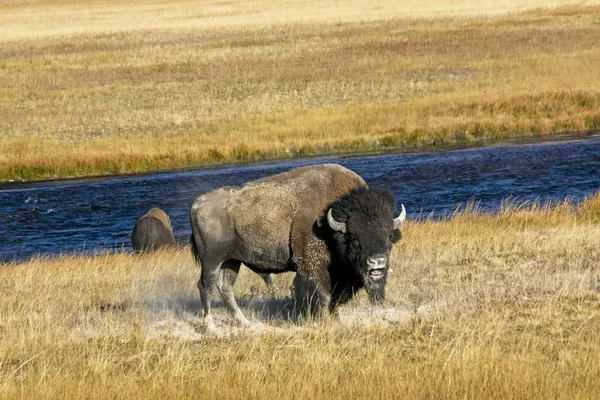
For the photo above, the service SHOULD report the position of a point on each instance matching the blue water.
(51, 218)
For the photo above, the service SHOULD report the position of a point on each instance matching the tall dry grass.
(111, 87)
(480, 306)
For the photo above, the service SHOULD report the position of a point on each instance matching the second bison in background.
(153, 231)
(321, 221)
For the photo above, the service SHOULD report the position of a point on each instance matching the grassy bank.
(116, 87)
(487, 306)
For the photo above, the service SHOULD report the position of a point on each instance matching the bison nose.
(377, 262)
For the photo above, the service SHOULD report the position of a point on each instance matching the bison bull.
(321, 221)
(152, 231)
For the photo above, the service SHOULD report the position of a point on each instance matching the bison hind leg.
(206, 285)
(266, 277)
(227, 277)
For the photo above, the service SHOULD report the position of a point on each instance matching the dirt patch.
(377, 316)
(190, 327)
(185, 330)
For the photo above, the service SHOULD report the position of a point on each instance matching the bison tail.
(195, 250)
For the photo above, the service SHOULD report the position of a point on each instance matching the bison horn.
(399, 220)
(335, 225)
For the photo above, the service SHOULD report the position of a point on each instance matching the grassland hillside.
(110, 87)
(480, 306)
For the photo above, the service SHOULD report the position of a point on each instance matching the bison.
(152, 231)
(321, 221)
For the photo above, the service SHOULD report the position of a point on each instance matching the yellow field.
(110, 87)
(480, 306)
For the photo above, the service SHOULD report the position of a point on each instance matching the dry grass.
(482, 306)
(111, 87)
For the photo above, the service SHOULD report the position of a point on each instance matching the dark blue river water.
(94, 215)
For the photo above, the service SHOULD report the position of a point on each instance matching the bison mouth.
(376, 266)
(376, 273)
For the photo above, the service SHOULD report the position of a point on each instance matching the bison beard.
(321, 221)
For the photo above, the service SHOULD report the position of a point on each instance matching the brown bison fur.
(152, 231)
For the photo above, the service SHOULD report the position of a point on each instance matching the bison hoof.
(210, 327)
(243, 321)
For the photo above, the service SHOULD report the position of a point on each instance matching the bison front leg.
(313, 297)
(227, 278)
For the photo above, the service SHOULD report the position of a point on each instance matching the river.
(91, 215)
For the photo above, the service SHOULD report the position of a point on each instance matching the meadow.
(112, 87)
(486, 306)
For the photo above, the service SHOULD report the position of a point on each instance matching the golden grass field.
(111, 87)
(482, 306)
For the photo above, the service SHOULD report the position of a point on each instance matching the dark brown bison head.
(365, 226)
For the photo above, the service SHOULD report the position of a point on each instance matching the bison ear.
(318, 229)
(396, 236)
